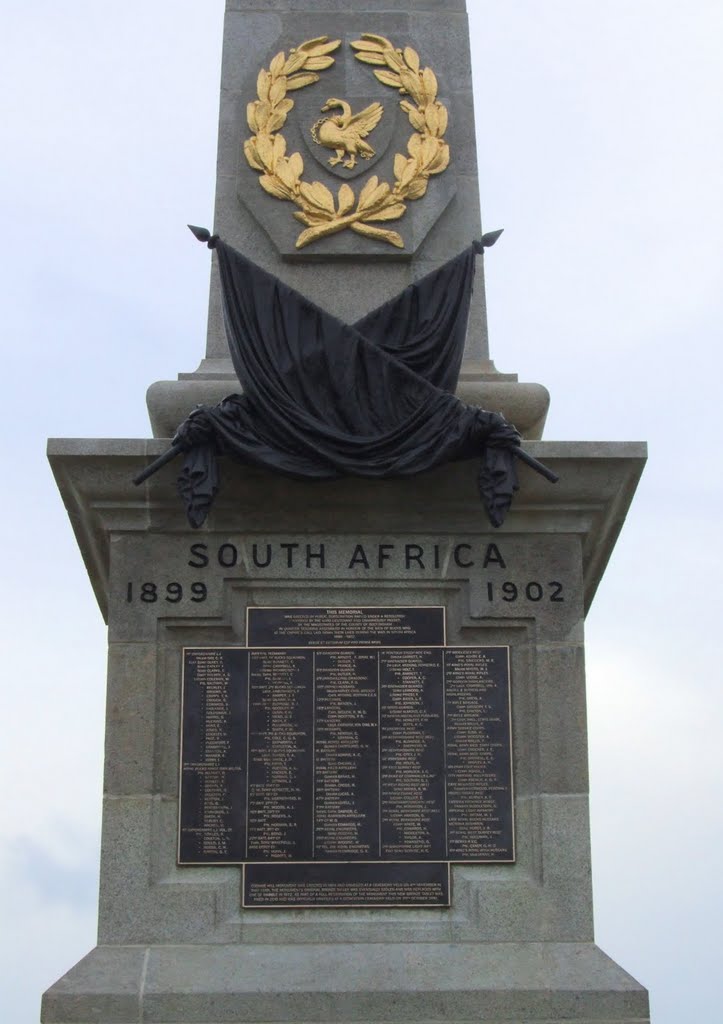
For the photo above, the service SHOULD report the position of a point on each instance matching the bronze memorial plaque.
(346, 757)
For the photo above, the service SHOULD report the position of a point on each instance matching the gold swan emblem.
(345, 132)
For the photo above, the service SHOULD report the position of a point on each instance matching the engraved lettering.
(200, 554)
(493, 556)
(289, 548)
(458, 559)
(228, 556)
(318, 555)
(509, 592)
(255, 556)
(359, 557)
(385, 551)
(413, 553)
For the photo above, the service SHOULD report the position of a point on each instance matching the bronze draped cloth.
(323, 399)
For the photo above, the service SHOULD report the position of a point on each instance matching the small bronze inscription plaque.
(393, 760)
(345, 627)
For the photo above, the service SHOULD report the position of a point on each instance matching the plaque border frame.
(450, 863)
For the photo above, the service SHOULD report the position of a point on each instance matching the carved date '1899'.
(173, 593)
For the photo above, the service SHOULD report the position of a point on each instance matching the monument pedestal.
(516, 944)
(497, 983)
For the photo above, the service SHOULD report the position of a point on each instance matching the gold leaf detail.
(410, 169)
(318, 195)
(394, 59)
(412, 85)
(295, 62)
(263, 113)
(371, 58)
(367, 44)
(318, 63)
(430, 84)
(296, 164)
(389, 78)
(380, 234)
(369, 37)
(430, 149)
(388, 212)
(252, 156)
(368, 189)
(417, 188)
(265, 149)
(314, 234)
(277, 64)
(277, 92)
(309, 45)
(299, 81)
(320, 47)
(346, 200)
(412, 58)
(276, 121)
(279, 147)
(441, 161)
(414, 145)
(275, 187)
(417, 120)
(263, 84)
(285, 173)
(374, 198)
(432, 119)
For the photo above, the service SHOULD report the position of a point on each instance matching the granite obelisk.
(241, 654)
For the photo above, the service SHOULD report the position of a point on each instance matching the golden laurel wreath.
(427, 152)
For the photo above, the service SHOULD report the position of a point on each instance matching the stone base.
(517, 943)
(170, 401)
(524, 983)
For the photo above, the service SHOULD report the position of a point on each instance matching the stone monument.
(346, 766)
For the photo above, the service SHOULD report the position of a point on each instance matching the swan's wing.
(366, 119)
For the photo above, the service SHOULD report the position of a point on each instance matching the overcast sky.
(601, 154)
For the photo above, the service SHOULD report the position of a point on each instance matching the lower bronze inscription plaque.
(346, 885)
(362, 771)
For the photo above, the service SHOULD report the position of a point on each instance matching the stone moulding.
(597, 482)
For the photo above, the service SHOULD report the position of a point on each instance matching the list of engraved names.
(346, 754)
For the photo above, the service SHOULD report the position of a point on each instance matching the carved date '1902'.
(532, 591)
